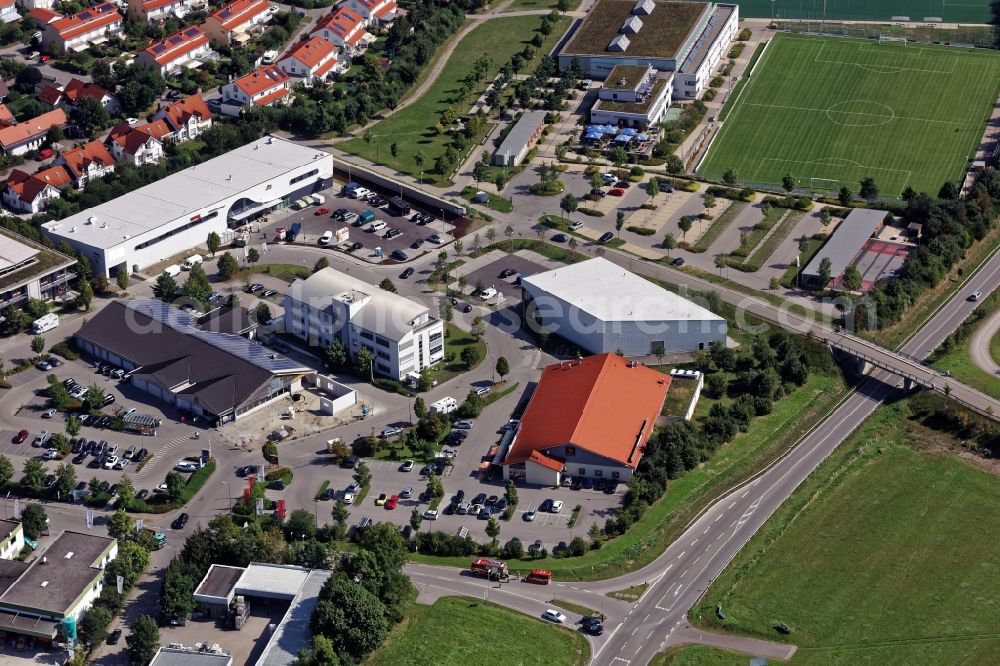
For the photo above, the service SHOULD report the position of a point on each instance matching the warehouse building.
(218, 376)
(520, 139)
(401, 334)
(601, 307)
(689, 39)
(152, 224)
(588, 418)
(844, 244)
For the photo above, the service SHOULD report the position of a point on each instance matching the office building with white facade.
(165, 218)
(401, 334)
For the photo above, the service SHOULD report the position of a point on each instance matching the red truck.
(539, 576)
(492, 569)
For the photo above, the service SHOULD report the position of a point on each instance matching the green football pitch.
(831, 111)
(951, 11)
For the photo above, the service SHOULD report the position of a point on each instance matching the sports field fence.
(973, 35)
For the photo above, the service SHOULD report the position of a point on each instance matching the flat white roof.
(184, 193)
(278, 581)
(610, 293)
(13, 253)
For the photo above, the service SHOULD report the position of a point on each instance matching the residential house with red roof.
(160, 10)
(231, 23)
(73, 92)
(312, 59)
(186, 48)
(135, 145)
(8, 11)
(267, 86)
(30, 5)
(86, 163)
(28, 193)
(90, 26)
(588, 418)
(42, 15)
(375, 12)
(186, 118)
(29, 135)
(344, 27)
(6, 116)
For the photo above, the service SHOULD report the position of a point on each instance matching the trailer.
(491, 569)
(539, 576)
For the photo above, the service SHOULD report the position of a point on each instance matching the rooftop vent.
(631, 26)
(619, 44)
(69, 555)
(622, 81)
(45, 583)
(643, 7)
(91, 220)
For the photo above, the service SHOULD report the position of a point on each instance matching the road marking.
(717, 518)
(696, 561)
(744, 494)
(694, 542)
(732, 505)
(646, 619)
(684, 574)
(650, 634)
(682, 554)
(636, 631)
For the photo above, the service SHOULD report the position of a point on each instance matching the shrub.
(277, 473)
(709, 95)
(642, 231)
(65, 350)
(744, 35)
(590, 211)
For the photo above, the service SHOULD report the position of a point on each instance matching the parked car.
(507, 272)
(322, 211)
(399, 255)
(605, 237)
(617, 192)
(529, 515)
(348, 498)
(43, 366)
(40, 438)
(355, 246)
(114, 637)
(557, 506)
(381, 500)
(560, 238)
(434, 238)
(465, 424)
(553, 615)
(598, 192)
(20, 436)
(431, 514)
(407, 466)
(391, 431)
(50, 454)
(575, 225)
(678, 261)
(180, 521)
(406, 274)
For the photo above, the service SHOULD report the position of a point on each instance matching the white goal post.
(827, 184)
(884, 39)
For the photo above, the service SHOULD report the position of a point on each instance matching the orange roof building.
(588, 418)
(29, 135)
(185, 48)
(28, 193)
(266, 86)
(343, 27)
(186, 118)
(77, 31)
(89, 161)
(312, 59)
(230, 23)
(137, 145)
(158, 10)
(375, 11)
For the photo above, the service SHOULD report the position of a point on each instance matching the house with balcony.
(23, 137)
(86, 163)
(29, 193)
(150, 11)
(633, 96)
(375, 12)
(267, 86)
(185, 119)
(135, 145)
(90, 26)
(73, 92)
(343, 27)
(231, 24)
(8, 11)
(187, 48)
(312, 60)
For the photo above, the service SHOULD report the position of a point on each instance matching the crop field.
(951, 11)
(832, 111)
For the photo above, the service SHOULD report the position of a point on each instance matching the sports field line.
(896, 69)
(832, 162)
(853, 113)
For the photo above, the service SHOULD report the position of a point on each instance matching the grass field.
(412, 129)
(879, 558)
(951, 11)
(459, 631)
(958, 360)
(904, 115)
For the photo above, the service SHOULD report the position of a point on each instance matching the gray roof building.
(844, 244)
(172, 656)
(520, 138)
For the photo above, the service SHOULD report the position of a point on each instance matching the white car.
(487, 294)
(48, 413)
(185, 466)
(132, 121)
(33, 55)
(121, 463)
(431, 514)
(50, 454)
(162, 488)
(326, 238)
(576, 225)
(975, 296)
(557, 506)
(348, 498)
(111, 462)
(553, 615)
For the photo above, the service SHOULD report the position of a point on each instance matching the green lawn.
(520, 5)
(460, 631)
(849, 109)
(965, 11)
(881, 557)
(455, 341)
(958, 360)
(718, 226)
(412, 129)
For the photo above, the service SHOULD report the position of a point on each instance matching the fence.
(977, 36)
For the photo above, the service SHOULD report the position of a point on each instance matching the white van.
(358, 193)
(190, 262)
(444, 406)
(318, 199)
(173, 270)
(377, 225)
(487, 294)
(46, 323)
(326, 237)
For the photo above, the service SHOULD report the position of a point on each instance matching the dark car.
(108, 399)
(114, 637)
(405, 274)
(277, 485)
(560, 238)
(140, 455)
(417, 243)
(545, 506)
(665, 186)
(459, 496)
(508, 272)
(355, 246)
(79, 458)
(399, 255)
(247, 470)
(491, 500)
(598, 192)
(465, 307)
(595, 629)
(180, 521)
(255, 287)
(623, 184)
(679, 261)
(21, 436)
(605, 237)
(142, 494)
(78, 445)
(479, 499)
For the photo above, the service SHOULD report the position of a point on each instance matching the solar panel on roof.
(158, 48)
(191, 32)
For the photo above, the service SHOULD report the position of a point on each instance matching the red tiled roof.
(78, 159)
(156, 4)
(88, 20)
(44, 16)
(6, 117)
(312, 51)
(323, 69)
(15, 134)
(387, 8)
(156, 128)
(599, 404)
(270, 97)
(546, 461)
(176, 45)
(356, 37)
(180, 112)
(49, 95)
(131, 139)
(28, 186)
(76, 90)
(237, 13)
(340, 22)
(261, 79)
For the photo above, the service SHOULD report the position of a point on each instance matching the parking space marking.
(172, 444)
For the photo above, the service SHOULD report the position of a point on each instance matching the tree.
(213, 242)
(94, 625)
(300, 525)
(363, 362)
(619, 221)
(120, 525)
(509, 233)
(322, 653)
(72, 426)
(387, 285)
(166, 286)
(90, 115)
(420, 158)
(126, 492)
(197, 287)
(138, 88)
(569, 204)
(729, 177)
(122, 280)
(669, 243)
(320, 264)
(480, 172)
(6, 471)
(33, 520)
(716, 384)
(852, 278)
(710, 201)
(491, 235)
(478, 327)
(27, 79)
(227, 266)
(869, 190)
(949, 191)
(34, 474)
(263, 313)
(844, 196)
(493, 529)
(349, 615)
(93, 397)
(774, 284)
(65, 479)
(685, 225)
(469, 356)
(675, 165)
(502, 367)
(175, 486)
(269, 450)
(143, 641)
(253, 256)
(362, 475)
(618, 156)
(335, 354)
(415, 519)
(85, 295)
(788, 182)
(419, 407)
(38, 344)
(825, 267)
(394, 150)
(446, 309)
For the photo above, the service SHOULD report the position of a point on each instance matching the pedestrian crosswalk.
(160, 454)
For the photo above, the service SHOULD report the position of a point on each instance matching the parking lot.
(489, 276)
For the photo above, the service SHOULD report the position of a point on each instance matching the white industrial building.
(168, 217)
(401, 334)
(601, 307)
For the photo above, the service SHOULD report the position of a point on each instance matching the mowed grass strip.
(460, 631)
(880, 557)
(412, 129)
(831, 111)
